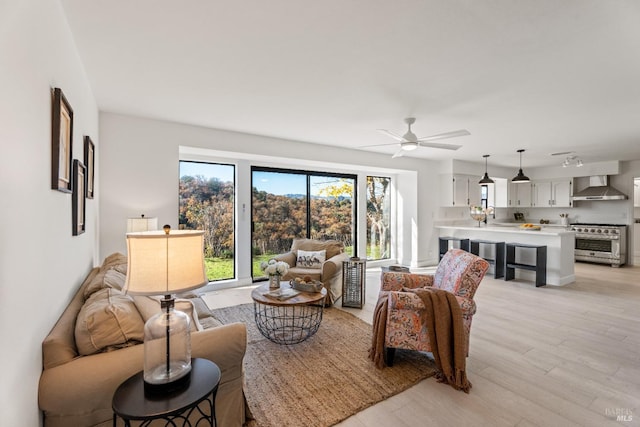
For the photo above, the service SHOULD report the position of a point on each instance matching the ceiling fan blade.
(377, 145)
(391, 134)
(452, 134)
(442, 146)
(400, 153)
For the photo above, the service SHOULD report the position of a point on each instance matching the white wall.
(41, 263)
(139, 164)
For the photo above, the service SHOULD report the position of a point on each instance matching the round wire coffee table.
(288, 321)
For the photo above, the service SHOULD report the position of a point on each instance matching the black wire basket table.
(287, 321)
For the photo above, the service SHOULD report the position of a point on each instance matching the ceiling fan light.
(409, 146)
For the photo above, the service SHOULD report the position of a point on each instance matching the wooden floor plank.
(551, 356)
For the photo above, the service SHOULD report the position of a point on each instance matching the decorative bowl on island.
(478, 214)
(530, 227)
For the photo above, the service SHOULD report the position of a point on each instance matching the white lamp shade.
(163, 264)
(138, 224)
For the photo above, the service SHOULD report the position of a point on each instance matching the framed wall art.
(78, 198)
(61, 142)
(89, 161)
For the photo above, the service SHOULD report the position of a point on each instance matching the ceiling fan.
(409, 141)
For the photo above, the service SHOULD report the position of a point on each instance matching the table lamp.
(164, 263)
(141, 223)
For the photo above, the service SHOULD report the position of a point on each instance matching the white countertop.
(559, 241)
(550, 230)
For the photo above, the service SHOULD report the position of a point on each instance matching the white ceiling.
(543, 75)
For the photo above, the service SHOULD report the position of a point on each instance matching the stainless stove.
(601, 243)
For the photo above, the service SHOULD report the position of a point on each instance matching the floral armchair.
(459, 272)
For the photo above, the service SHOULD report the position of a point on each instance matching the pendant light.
(485, 179)
(520, 178)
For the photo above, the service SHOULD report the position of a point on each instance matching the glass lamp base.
(167, 349)
(161, 388)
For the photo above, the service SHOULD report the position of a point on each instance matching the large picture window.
(287, 204)
(378, 217)
(206, 202)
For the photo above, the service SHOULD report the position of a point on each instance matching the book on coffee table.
(282, 294)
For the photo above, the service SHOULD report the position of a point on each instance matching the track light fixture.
(573, 159)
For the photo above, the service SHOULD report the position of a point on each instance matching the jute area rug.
(323, 380)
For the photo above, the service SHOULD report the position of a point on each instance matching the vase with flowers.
(275, 270)
(479, 214)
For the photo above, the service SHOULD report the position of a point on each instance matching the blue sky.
(209, 170)
(280, 183)
(271, 182)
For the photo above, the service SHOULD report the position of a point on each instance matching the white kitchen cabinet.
(459, 190)
(636, 193)
(519, 195)
(473, 190)
(562, 192)
(552, 193)
(501, 192)
(541, 194)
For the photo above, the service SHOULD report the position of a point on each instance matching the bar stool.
(443, 244)
(540, 266)
(498, 253)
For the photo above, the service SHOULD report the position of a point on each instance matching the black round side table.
(130, 403)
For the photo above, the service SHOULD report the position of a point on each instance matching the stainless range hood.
(599, 189)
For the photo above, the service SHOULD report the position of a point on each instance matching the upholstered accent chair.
(459, 272)
(318, 259)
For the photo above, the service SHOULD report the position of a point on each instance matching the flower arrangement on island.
(274, 268)
(480, 210)
(479, 213)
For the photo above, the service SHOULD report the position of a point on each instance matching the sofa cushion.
(149, 306)
(112, 274)
(205, 316)
(311, 259)
(108, 320)
(114, 279)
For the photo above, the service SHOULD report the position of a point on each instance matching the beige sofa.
(96, 345)
(329, 272)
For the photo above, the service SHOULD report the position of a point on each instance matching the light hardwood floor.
(550, 356)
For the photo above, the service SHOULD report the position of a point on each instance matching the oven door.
(596, 249)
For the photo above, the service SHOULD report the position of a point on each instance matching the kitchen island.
(559, 241)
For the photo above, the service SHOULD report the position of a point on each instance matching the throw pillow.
(114, 279)
(149, 305)
(111, 278)
(308, 259)
(107, 319)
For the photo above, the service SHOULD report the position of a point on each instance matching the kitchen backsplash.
(601, 212)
